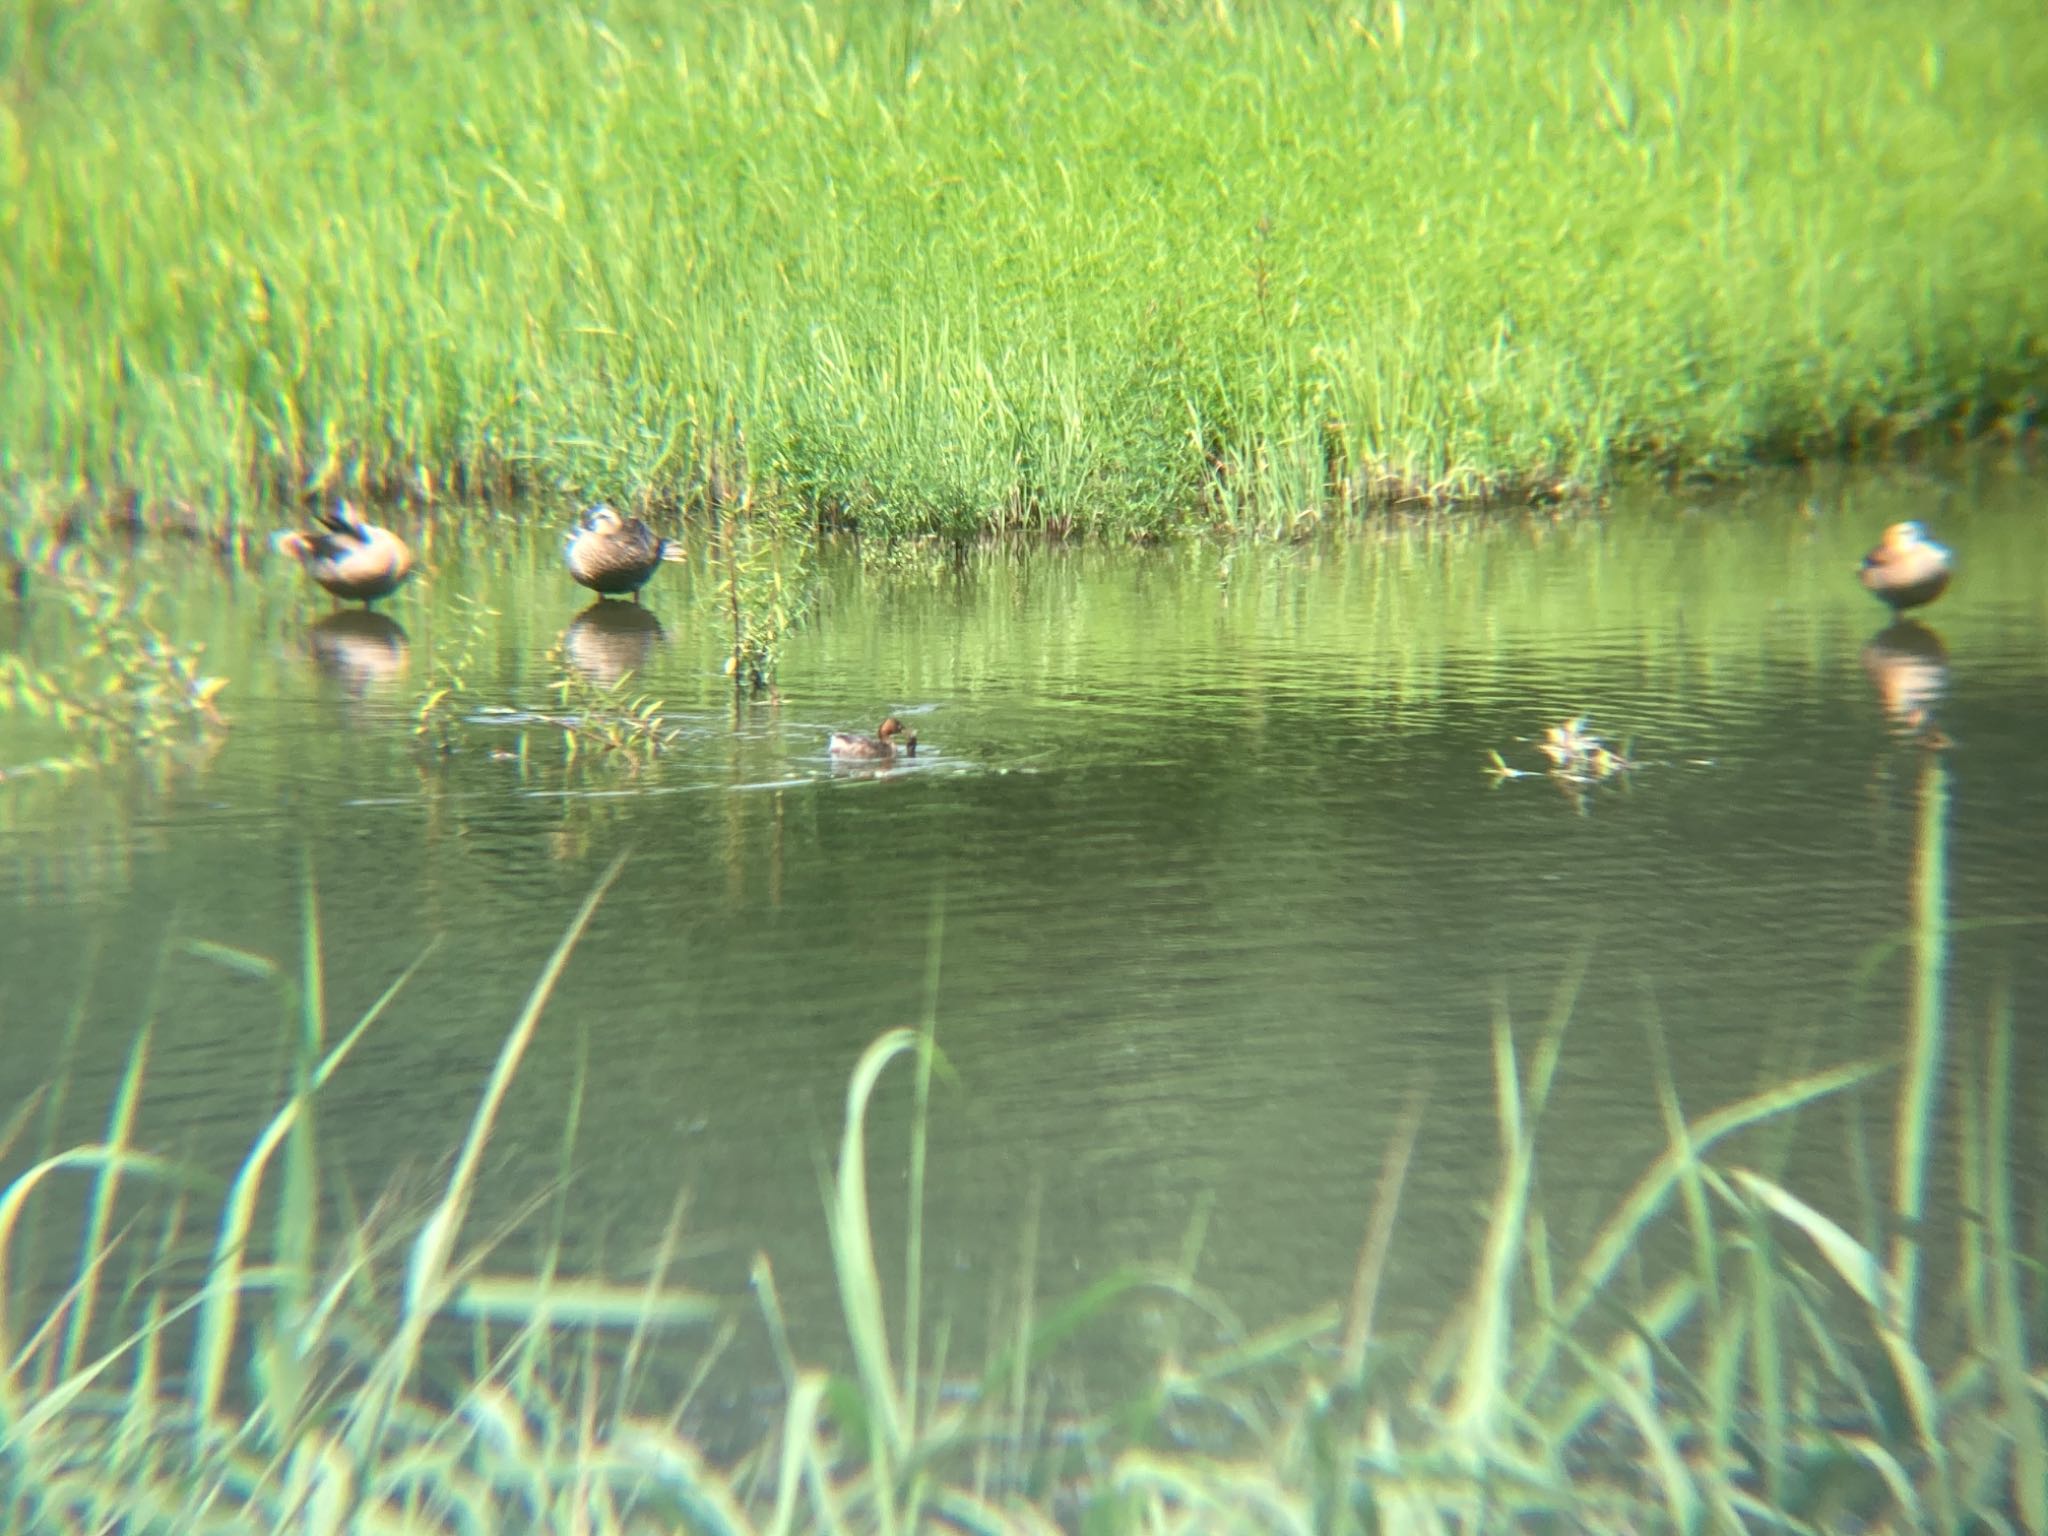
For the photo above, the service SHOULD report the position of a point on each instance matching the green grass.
(1768, 1371)
(937, 266)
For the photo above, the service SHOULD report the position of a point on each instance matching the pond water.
(1200, 837)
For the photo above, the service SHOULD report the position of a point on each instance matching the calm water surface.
(1216, 877)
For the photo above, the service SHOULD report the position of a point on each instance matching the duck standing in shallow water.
(613, 555)
(880, 747)
(357, 561)
(1907, 569)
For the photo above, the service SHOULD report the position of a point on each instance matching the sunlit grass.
(1112, 265)
(1772, 1370)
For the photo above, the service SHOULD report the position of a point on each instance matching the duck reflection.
(1908, 665)
(609, 639)
(364, 650)
(873, 768)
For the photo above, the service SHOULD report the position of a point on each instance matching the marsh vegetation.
(1131, 265)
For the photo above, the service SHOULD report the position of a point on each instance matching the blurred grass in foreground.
(1723, 1355)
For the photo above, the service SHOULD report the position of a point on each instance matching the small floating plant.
(1578, 759)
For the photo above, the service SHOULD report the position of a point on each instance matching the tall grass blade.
(1879, 1291)
(1767, 1355)
(1479, 1399)
(297, 1220)
(2023, 1399)
(1926, 1029)
(427, 1272)
(913, 1242)
(853, 1252)
(558, 1303)
(799, 1459)
(762, 1279)
(106, 1186)
(1681, 1497)
(225, 1275)
(1616, 1238)
(1485, 1318)
(1857, 1265)
(1692, 1188)
(1379, 1235)
(49, 1407)
(12, 1201)
(1897, 1481)
(16, 1122)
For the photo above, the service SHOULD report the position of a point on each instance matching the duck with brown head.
(356, 561)
(880, 747)
(1907, 569)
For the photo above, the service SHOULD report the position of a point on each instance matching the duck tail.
(345, 522)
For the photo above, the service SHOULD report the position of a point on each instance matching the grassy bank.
(1110, 265)
(1723, 1352)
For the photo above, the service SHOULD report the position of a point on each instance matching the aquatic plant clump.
(119, 689)
(1579, 761)
(1127, 265)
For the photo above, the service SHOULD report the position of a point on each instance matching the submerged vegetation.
(597, 715)
(1124, 265)
(1722, 1352)
(112, 688)
(1579, 761)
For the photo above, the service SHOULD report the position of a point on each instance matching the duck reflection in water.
(607, 640)
(1908, 665)
(364, 650)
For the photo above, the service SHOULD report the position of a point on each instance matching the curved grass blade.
(1617, 1238)
(426, 1274)
(853, 1250)
(12, 1201)
(225, 1278)
(1879, 1291)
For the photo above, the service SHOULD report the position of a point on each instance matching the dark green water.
(1218, 878)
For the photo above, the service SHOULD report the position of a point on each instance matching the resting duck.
(613, 555)
(357, 561)
(1907, 569)
(878, 747)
